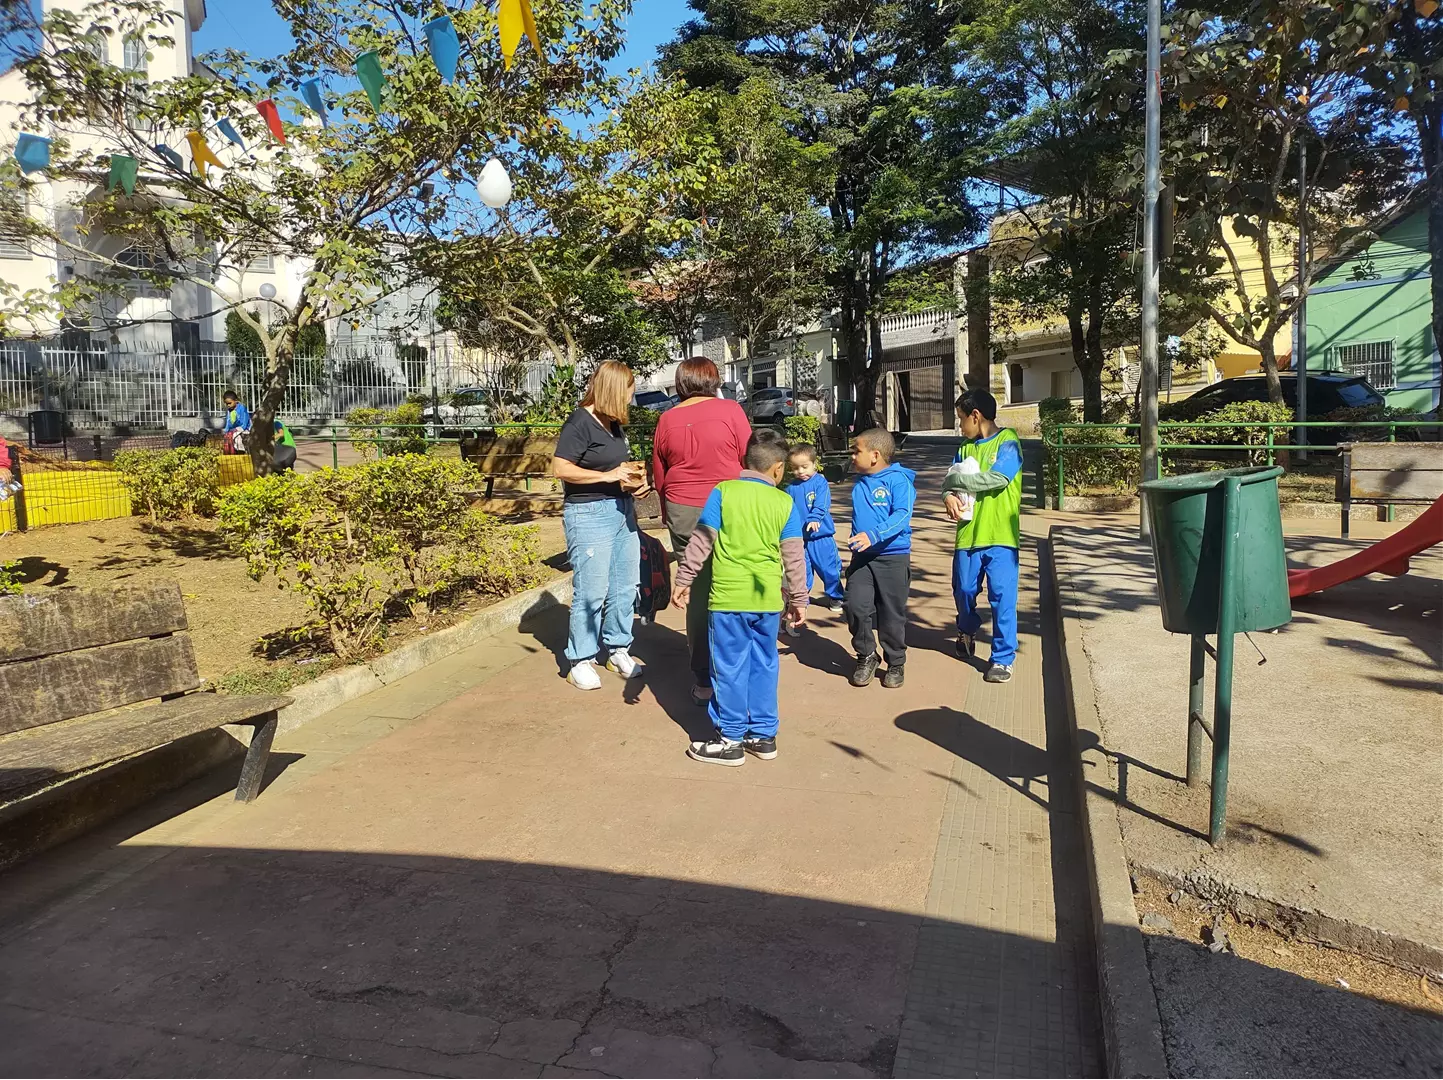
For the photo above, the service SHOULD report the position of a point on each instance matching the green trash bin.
(846, 413)
(1187, 544)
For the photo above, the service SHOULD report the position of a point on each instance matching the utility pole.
(1300, 319)
(1151, 187)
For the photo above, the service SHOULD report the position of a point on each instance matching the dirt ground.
(229, 613)
(1192, 920)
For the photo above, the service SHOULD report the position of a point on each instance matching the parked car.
(772, 405)
(464, 408)
(1328, 391)
(655, 400)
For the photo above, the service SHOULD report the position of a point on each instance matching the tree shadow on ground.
(189, 541)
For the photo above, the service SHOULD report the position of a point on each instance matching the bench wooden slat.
(68, 619)
(32, 756)
(54, 688)
(1396, 471)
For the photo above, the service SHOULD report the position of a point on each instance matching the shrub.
(1118, 470)
(171, 484)
(641, 432)
(10, 582)
(1369, 413)
(559, 396)
(1241, 412)
(386, 433)
(807, 429)
(353, 541)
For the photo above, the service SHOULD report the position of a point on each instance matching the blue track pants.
(999, 566)
(744, 672)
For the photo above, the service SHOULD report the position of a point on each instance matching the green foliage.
(559, 397)
(1085, 470)
(807, 429)
(1371, 413)
(641, 433)
(243, 340)
(357, 540)
(10, 581)
(1277, 420)
(387, 432)
(171, 484)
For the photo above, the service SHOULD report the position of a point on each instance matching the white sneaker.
(624, 664)
(583, 676)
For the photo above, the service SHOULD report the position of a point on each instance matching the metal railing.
(1268, 446)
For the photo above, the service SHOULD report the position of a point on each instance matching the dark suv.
(1328, 391)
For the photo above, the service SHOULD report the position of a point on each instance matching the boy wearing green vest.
(985, 500)
(753, 534)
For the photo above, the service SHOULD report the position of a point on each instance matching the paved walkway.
(479, 871)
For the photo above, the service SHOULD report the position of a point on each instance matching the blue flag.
(445, 46)
(228, 130)
(32, 152)
(170, 156)
(311, 94)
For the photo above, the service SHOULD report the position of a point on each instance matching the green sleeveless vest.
(997, 517)
(746, 563)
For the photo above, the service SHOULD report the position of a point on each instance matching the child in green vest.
(989, 529)
(753, 534)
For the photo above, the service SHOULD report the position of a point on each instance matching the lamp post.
(1152, 170)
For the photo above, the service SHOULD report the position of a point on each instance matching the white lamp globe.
(268, 291)
(493, 185)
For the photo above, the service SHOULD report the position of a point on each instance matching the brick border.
(1131, 1024)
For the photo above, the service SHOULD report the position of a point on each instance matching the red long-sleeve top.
(697, 447)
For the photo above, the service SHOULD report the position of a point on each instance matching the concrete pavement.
(480, 871)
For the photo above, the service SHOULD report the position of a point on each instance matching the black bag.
(655, 591)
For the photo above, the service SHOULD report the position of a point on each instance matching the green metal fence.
(1266, 446)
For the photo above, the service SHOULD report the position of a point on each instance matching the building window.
(135, 91)
(1014, 383)
(1060, 383)
(97, 46)
(1371, 359)
(261, 264)
(140, 259)
(13, 244)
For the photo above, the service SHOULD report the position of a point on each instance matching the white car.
(655, 400)
(772, 405)
(464, 408)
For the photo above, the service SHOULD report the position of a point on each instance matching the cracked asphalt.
(479, 871)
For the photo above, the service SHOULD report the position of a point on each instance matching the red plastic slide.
(1388, 556)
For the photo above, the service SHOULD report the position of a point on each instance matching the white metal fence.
(157, 386)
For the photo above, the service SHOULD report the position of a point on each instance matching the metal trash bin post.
(1217, 543)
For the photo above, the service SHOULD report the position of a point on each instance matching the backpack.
(655, 591)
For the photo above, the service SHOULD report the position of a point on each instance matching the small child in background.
(753, 534)
(880, 576)
(813, 497)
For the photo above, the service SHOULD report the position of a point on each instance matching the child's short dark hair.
(765, 449)
(977, 400)
(803, 449)
(880, 440)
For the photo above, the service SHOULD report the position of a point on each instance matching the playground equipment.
(1388, 556)
(1217, 546)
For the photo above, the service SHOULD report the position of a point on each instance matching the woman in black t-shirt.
(602, 541)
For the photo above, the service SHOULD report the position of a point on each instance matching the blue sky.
(255, 28)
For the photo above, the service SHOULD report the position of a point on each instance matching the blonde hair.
(609, 394)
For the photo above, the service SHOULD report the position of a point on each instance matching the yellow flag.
(514, 18)
(201, 154)
(1425, 8)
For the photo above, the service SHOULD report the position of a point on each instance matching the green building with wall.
(1371, 314)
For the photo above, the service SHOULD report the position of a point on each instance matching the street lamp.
(493, 185)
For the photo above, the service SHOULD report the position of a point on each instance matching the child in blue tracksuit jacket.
(881, 572)
(813, 497)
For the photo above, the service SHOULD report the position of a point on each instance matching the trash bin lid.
(1204, 481)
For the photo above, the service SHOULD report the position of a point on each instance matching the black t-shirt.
(585, 443)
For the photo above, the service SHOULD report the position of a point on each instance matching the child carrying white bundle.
(965, 467)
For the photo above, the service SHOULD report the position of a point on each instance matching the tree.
(1252, 88)
(876, 82)
(334, 197)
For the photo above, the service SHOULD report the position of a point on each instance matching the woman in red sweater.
(699, 443)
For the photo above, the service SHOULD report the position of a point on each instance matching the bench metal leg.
(253, 771)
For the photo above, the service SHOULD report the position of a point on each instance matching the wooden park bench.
(1386, 473)
(510, 457)
(76, 666)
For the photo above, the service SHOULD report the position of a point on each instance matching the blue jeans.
(744, 673)
(999, 565)
(604, 547)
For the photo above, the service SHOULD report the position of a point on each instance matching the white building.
(191, 312)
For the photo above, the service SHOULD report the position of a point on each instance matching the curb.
(1131, 1024)
(313, 699)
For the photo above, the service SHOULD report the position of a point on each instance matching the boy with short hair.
(880, 575)
(753, 534)
(988, 538)
(813, 497)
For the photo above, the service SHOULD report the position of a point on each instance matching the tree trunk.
(854, 346)
(1091, 373)
(868, 375)
(1270, 367)
(261, 443)
(1430, 134)
(979, 321)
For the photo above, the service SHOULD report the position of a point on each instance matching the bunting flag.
(201, 153)
(312, 96)
(368, 70)
(272, 117)
(170, 156)
(226, 128)
(32, 152)
(514, 18)
(445, 46)
(123, 171)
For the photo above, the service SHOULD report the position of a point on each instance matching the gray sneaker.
(998, 673)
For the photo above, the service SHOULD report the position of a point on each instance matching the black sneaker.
(836, 606)
(866, 667)
(701, 696)
(717, 752)
(766, 749)
(998, 673)
(894, 676)
(966, 646)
